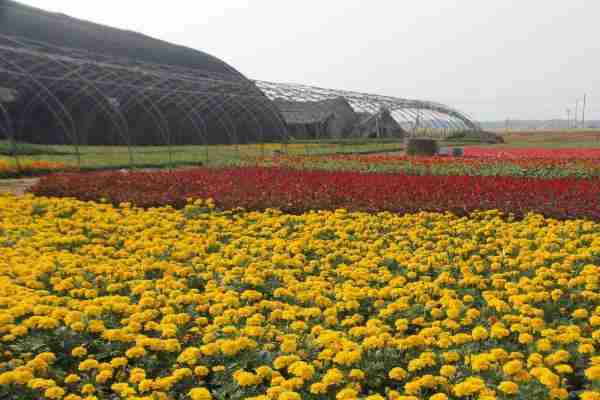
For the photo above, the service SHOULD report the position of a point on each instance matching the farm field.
(298, 191)
(39, 159)
(287, 277)
(580, 138)
(385, 201)
(99, 301)
(477, 161)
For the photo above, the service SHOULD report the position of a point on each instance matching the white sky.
(528, 59)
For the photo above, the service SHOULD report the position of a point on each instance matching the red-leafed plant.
(295, 191)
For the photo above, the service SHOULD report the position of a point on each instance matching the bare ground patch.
(16, 186)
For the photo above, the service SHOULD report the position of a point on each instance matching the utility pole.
(568, 119)
(583, 112)
(576, 114)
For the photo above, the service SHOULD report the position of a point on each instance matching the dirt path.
(16, 186)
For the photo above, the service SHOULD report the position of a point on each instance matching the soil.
(16, 186)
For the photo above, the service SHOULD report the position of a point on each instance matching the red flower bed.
(528, 153)
(257, 188)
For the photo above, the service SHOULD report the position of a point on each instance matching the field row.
(477, 161)
(297, 191)
(39, 159)
(101, 302)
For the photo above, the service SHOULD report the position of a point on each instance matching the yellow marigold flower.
(580, 313)
(586, 348)
(453, 313)
(347, 394)
(6, 378)
(48, 323)
(88, 364)
(103, 376)
(201, 371)
(264, 371)
(356, 374)
(333, 376)
(118, 362)
(413, 387)
(135, 352)
(48, 357)
(546, 377)
(525, 338)
(244, 378)
(438, 396)
(451, 356)
(448, 371)
(559, 393)
(544, 345)
(146, 385)
(54, 392)
(593, 372)
(508, 387)
(416, 364)
(218, 368)
(136, 375)
(209, 349)
(318, 388)
(88, 389)
(200, 394)
(289, 395)
(479, 333)
(289, 346)
(283, 361)
(535, 359)
(302, 370)
(564, 369)
(347, 357)
(79, 352)
(96, 326)
(292, 384)
(589, 395)
(394, 395)
(172, 345)
(398, 374)
(469, 386)
(39, 383)
(122, 389)
(499, 331)
(512, 367)
(189, 356)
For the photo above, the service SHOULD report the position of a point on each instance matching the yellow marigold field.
(102, 302)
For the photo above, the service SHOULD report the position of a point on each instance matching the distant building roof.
(382, 124)
(308, 112)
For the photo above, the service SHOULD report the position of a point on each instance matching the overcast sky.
(528, 59)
